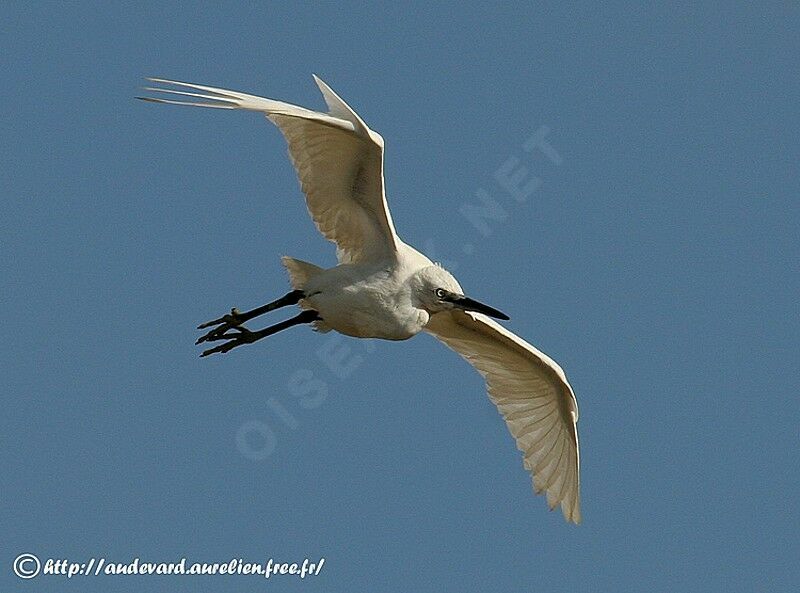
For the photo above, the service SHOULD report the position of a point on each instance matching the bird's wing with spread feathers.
(533, 396)
(338, 159)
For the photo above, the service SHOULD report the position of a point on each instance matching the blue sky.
(657, 261)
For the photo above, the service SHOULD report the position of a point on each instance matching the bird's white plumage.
(533, 395)
(383, 287)
(338, 159)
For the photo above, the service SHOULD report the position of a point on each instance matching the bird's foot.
(240, 335)
(232, 320)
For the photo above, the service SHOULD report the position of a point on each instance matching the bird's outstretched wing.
(533, 396)
(338, 159)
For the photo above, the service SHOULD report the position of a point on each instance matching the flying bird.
(384, 288)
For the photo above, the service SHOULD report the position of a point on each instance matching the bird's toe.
(219, 326)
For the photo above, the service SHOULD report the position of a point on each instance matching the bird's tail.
(299, 271)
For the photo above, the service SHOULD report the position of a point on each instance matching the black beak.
(468, 304)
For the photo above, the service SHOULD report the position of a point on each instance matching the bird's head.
(435, 290)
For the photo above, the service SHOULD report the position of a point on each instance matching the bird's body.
(373, 303)
(369, 300)
(384, 288)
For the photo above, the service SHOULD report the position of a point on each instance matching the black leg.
(235, 318)
(245, 336)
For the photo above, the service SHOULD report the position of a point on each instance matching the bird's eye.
(440, 293)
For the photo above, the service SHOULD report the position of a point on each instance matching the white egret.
(384, 288)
